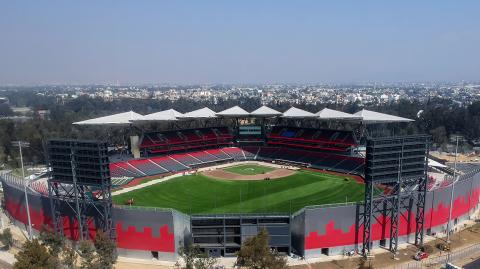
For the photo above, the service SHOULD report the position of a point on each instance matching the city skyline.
(250, 42)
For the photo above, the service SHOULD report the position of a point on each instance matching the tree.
(106, 251)
(87, 253)
(6, 238)
(69, 257)
(54, 242)
(256, 254)
(194, 258)
(34, 255)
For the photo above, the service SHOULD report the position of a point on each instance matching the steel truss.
(79, 184)
(402, 180)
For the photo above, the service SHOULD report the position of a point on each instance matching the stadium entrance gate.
(222, 235)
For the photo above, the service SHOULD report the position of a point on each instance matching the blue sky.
(78, 42)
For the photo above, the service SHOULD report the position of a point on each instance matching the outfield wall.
(138, 231)
(332, 230)
(145, 233)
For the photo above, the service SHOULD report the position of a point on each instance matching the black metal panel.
(399, 165)
(389, 158)
(80, 178)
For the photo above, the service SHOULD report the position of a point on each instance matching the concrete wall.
(333, 229)
(138, 231)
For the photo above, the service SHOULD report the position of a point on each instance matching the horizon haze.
(243, 42)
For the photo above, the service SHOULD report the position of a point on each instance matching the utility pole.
(20, 145)
(452, 192)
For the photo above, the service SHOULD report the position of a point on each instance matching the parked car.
(420, 256)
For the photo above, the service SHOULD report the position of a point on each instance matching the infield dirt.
(222, 174)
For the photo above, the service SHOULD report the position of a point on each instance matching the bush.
(427, 249)
(6, 238)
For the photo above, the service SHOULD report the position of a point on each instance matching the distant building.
(4, 100)
(43, 114)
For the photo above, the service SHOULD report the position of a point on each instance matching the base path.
(222, 174)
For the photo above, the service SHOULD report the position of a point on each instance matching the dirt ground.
(222, 174)
(451, 157)
(126, 265)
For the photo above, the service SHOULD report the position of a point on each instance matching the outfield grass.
(249, 169)
(200, 194)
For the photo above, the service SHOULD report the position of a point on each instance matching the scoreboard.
(250, 130)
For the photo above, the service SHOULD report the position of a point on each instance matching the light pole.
(452, 191)
(21, 144)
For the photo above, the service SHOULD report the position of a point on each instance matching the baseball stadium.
(320, 183)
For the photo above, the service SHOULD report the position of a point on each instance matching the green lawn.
(249, 169)
(199, 194)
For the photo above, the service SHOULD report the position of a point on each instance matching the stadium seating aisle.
(170, 164)
(185, 159)
(250, 152)
(219, 154)
(124, 169)
(204, 156)
(147, 167)
(235, 153)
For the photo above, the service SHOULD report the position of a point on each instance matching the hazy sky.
(241, 41)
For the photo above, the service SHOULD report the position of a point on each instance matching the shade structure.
(331, 114)
(124, 118)
(377, 117)
(296, 113)
(433, 163)
(165, 115)
(265, 111)
(199, 113)
(235, 111)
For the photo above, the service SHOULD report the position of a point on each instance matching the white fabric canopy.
(377, 117)
(235, 111)
(331, 114)
(265, 111)
(124, 118)
(294, 112)
(433, 163)
(165, 115)
(199, 113)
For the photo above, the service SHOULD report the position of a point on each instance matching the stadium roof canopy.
(434, 163)
(265, 111)
(124, 118)
(330, 114)
(235, 111)
(165, 115)
(377, 117)
(365, 116)
(199, 113)
(297, 113)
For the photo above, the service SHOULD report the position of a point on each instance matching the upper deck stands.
(163, 142)
(322, 139)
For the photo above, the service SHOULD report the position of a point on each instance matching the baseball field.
(252, 191)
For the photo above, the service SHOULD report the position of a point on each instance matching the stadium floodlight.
(20, 145)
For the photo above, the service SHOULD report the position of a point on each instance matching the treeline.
(440, 117)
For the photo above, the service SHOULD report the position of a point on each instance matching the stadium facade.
(311, 232)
